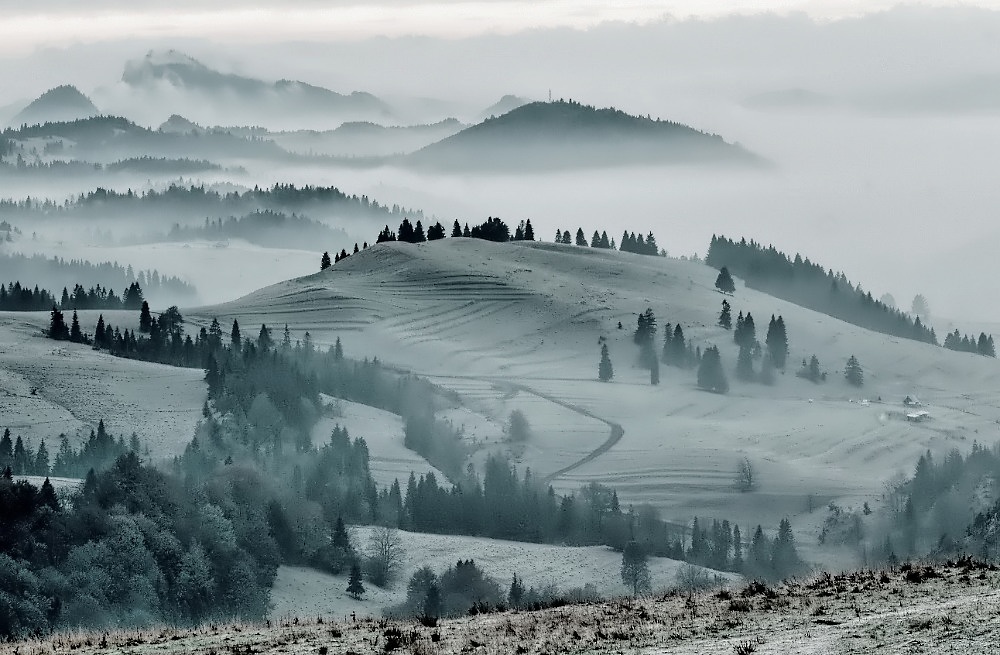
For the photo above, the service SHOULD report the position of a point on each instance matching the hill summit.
(568, 134)
(63, 103)
(231, 91)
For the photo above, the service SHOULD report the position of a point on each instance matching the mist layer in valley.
(497, 322)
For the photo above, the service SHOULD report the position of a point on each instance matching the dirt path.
(616, 430)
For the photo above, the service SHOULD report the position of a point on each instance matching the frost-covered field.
(308, 593)
(52, 387)
(949, 609)
(518, 326)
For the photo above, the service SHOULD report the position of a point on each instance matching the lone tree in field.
(726, 316)
(517, 426)
(724, 282)
(604, 370)
(635, 570)
(746, 476)
(324, 262)
(853, 372)
(711, 377)
(354, 586)
(385, 556)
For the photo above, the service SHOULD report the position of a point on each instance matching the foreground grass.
(953, 607)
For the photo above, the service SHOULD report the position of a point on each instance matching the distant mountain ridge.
(62, 103)
(567, 134)
(246, 99)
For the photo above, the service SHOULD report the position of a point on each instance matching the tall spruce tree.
(726, 316)
(324, 261)
(145, 318)
(853, 372)
(604, 369)
(235, 340)
(354, 586)
(75, 335)
(581, 238)
(777, 341)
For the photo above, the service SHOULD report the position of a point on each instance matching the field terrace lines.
(536, 314)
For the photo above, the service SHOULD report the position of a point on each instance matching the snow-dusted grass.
(477, 317)
(75, 387)
(383, 432)
(308, 593)
(902, 612)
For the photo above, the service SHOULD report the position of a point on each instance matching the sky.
(46, 23)
(888, 173)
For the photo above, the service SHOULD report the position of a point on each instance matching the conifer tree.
(566, 238)
(744, 365)
(529, 232)
(604, 370)
(679, 348)
(235, 340)
(581, 238)
(654, 370)
(724, 282)
(6, 449)
(145, 318)
(595, 241)
(435, 232)
(737, 549)
(607, 245)
(456, 229)
(354, 586)
(338, 350)
(57, 325)
(99, 338)
(711, 377)
(21, 461)
(75, 335)
(264, 341)
(41, 464)
(324, 262)
(853, 372)
(777, 341)
(558, 236)
(726, 316)
(516, 593)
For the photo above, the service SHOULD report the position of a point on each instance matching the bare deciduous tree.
(384, 556)
(691, 578)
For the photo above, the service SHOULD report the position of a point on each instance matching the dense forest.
(188, 203)
(808, 284)
(144, 164)
(15, 298)
(56, 273)
(267, 228)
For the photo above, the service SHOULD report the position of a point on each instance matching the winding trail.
(617, 431)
